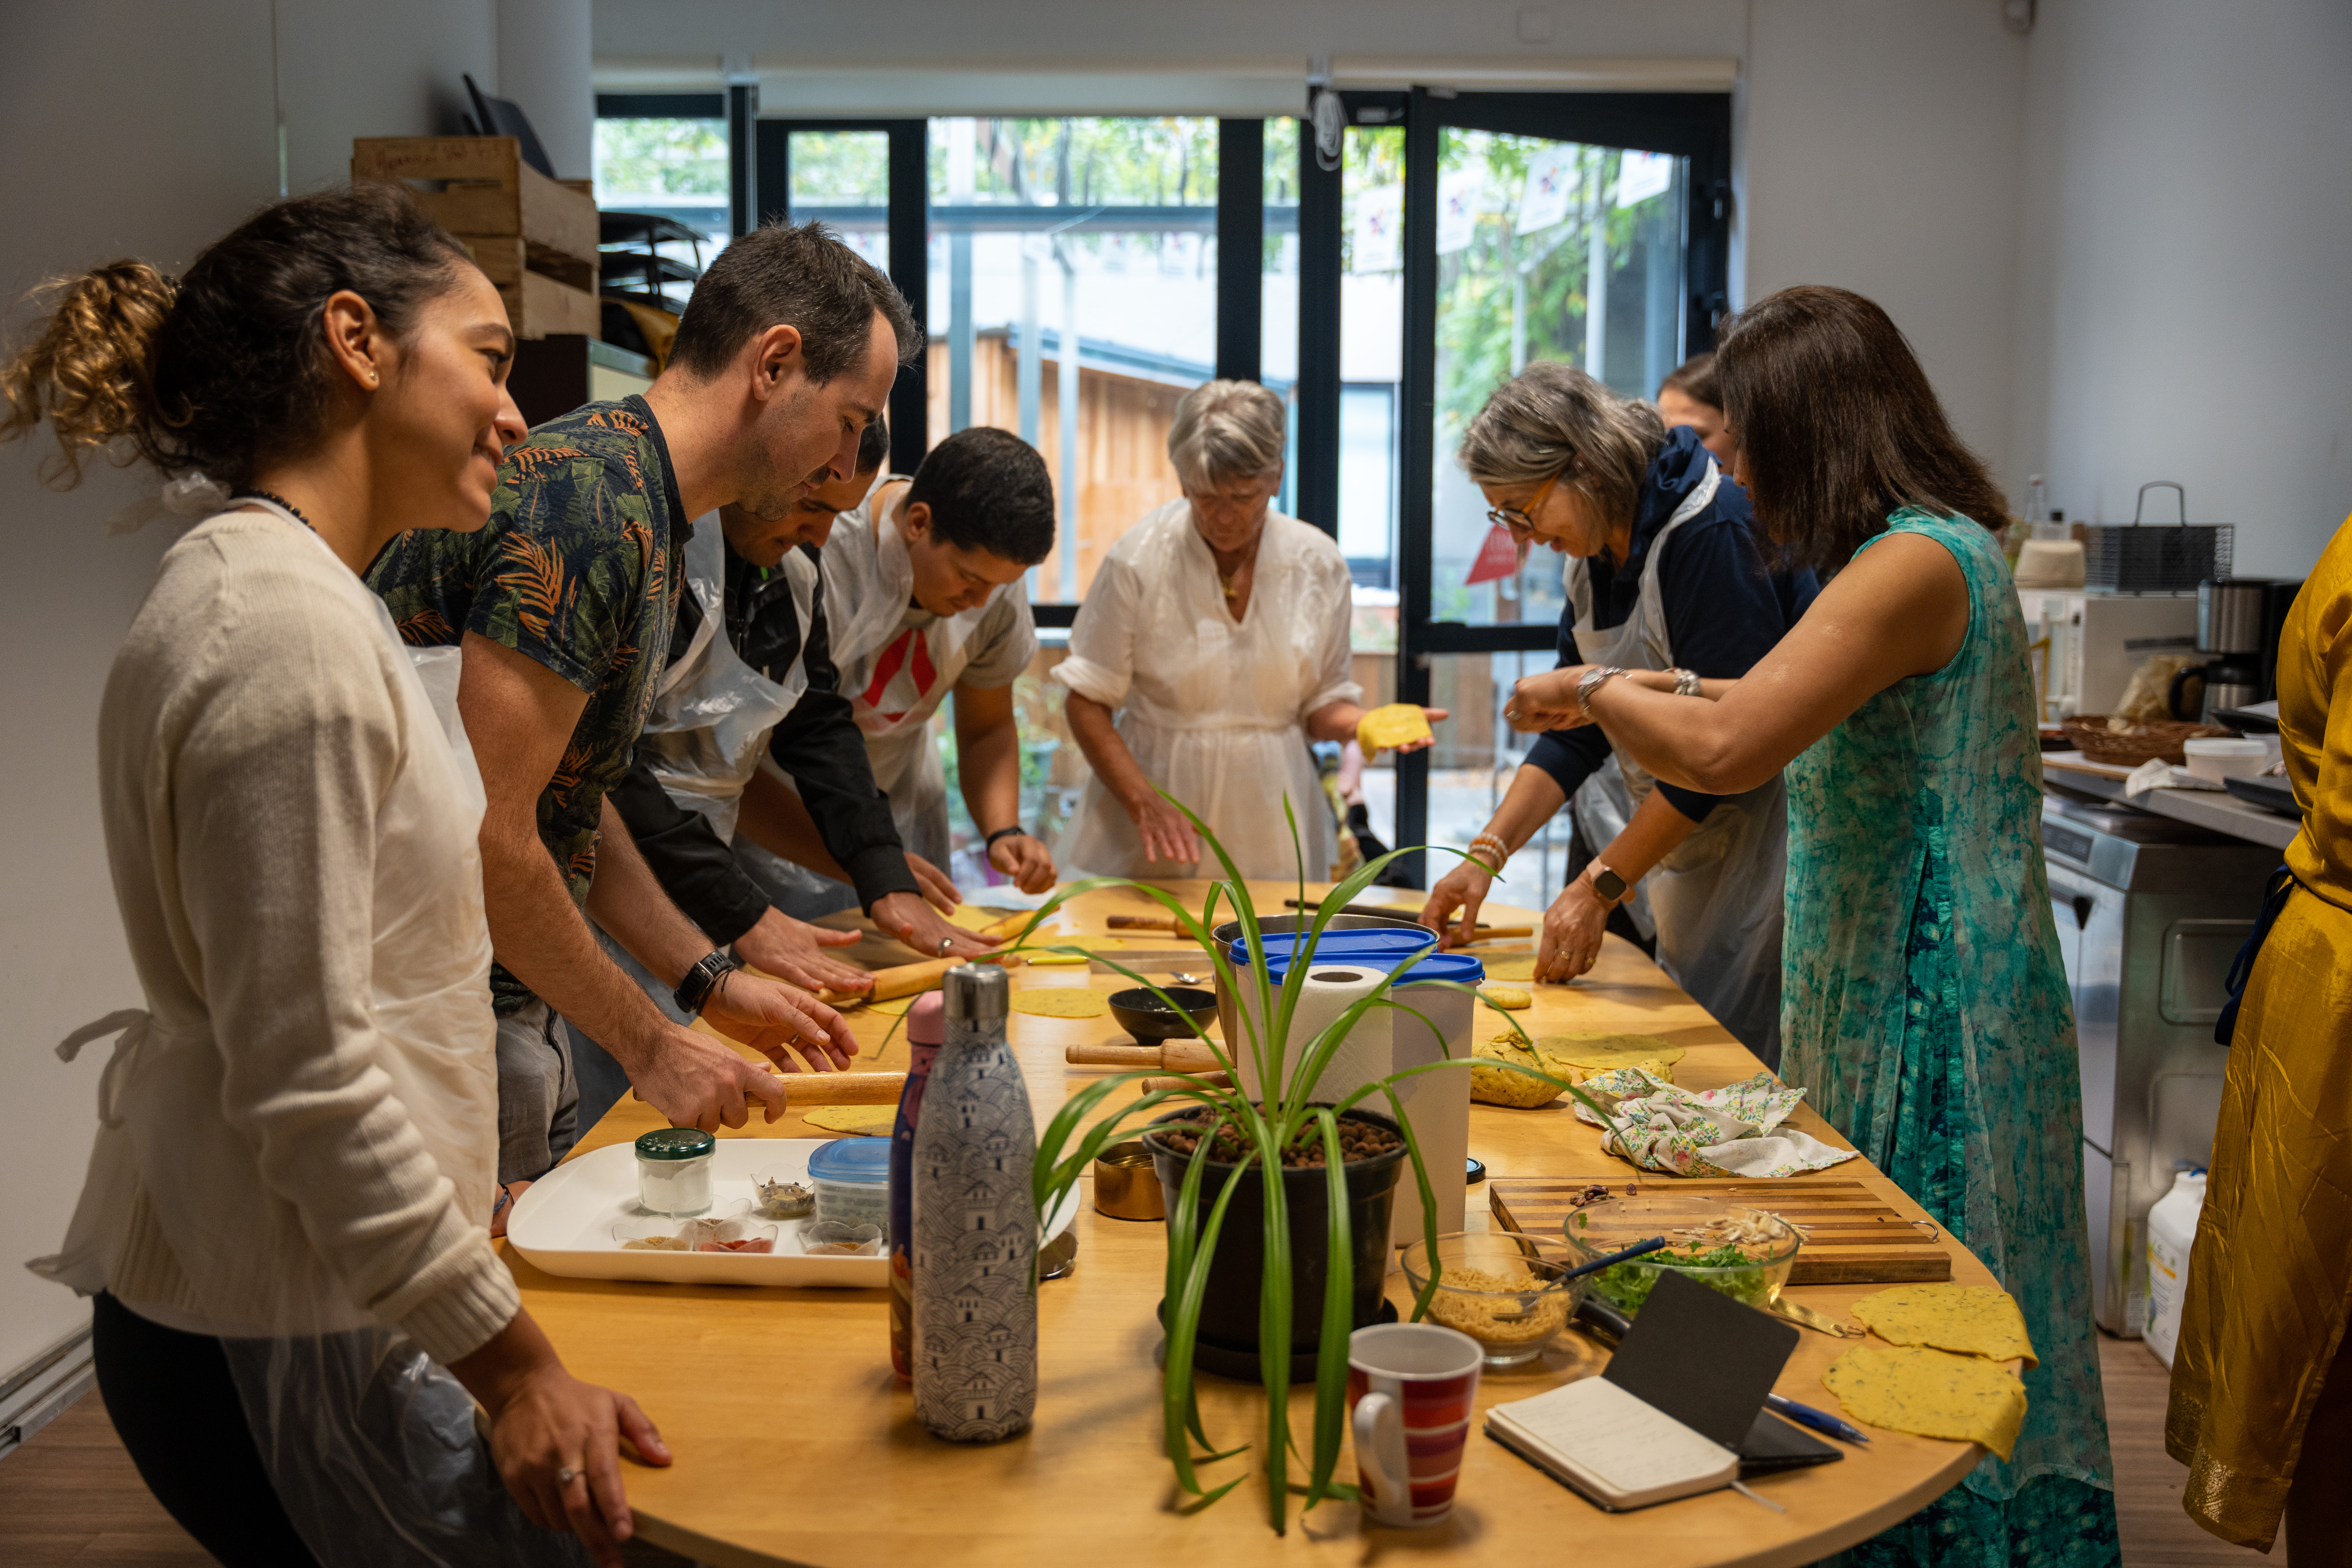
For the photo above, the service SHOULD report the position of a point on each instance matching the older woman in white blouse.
(1217, 629)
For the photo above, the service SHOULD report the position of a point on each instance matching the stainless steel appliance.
(2237, 622)
(2150, 911)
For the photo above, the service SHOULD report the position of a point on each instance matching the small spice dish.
(1502, 1290)
(1147, 1019)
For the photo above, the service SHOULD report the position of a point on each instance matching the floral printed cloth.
(1926, 1005)
(576, 570)
(1727, 1131)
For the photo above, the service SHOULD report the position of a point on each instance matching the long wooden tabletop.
(795, 1444)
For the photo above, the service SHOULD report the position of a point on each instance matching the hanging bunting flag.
(1460, 194)
(1378, 232)
(1498, 557)
(1551, 177)
(1642, 175)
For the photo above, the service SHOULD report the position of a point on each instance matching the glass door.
(1584, 230)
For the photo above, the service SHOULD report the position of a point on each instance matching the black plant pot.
(1228, 1308)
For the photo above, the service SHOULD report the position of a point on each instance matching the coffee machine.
(2238, 623)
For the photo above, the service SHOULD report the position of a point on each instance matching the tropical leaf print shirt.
(576, 571)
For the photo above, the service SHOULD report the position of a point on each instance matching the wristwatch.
(702, 981)
(1608, 884)
(1015, 831)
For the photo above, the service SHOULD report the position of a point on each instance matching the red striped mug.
(1410, 1390)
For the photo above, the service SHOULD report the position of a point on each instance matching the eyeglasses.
(1518, 517)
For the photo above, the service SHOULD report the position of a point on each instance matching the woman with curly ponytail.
(285, 1225)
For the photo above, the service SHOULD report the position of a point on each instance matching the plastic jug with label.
(2171, 1228)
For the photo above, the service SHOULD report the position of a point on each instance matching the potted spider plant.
(1300, 1260)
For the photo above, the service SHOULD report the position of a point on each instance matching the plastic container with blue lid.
(1382, 947)
(852, 1178)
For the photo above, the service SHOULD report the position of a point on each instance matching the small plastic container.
(2215, 759)
(852, 1177)
(674, 1171)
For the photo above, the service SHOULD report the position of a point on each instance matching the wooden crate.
(539, 306)
(487, 189)
(1852, 1237)
(505, 257)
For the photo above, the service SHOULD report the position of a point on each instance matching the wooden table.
(795, 1444)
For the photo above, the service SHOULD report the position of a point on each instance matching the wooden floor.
(70, 1495)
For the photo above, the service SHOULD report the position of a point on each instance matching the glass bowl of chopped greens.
(1744, 1253)
(1501, 1288)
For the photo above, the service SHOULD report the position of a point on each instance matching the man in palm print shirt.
(563, 605)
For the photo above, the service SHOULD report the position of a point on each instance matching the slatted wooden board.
(1851, 1236)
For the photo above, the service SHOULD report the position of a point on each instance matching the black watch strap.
(701, 981)
(1015, 831)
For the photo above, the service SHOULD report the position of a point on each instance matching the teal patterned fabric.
(1925, 1008)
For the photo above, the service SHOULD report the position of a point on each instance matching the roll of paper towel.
(1329, 991)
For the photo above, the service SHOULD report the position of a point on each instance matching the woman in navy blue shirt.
(1667, 575)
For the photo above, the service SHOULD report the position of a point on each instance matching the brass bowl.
(1126, 1187)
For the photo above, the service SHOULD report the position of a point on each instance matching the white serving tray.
(563, 1223)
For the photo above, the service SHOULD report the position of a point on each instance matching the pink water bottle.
(926, 1030)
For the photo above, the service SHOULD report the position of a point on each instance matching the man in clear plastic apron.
(1666, 575)
(925, 586)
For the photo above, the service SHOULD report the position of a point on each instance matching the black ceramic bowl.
(1147, 1019)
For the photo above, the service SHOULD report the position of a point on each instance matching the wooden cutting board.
(1851, 1236)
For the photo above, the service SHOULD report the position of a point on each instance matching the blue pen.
(1819, 1420)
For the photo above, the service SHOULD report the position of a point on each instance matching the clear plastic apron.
(369, 1443)
(894, 676)
(712, 713)
(1716, 900)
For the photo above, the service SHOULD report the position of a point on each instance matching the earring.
(370, 378)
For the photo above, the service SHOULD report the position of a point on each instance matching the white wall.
(142, 129)
(2184, 300)
(1877, 147)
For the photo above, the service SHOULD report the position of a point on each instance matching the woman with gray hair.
(1217, 628)
(1667, 575)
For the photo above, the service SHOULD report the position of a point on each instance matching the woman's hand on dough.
(1572, 929)
(1465, 888)
(1167, 833)
(794, 951)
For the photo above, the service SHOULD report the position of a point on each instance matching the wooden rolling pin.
(1500, 934)
(914, 979)
(1173, 1056)
(1143, 922)
(1206, 1079)
(810, 1088)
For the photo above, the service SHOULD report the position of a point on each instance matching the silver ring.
(566, 1475)
(945, 943)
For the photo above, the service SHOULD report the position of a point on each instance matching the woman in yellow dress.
(2262, 1388)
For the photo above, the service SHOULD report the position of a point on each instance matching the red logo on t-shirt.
(886, 669)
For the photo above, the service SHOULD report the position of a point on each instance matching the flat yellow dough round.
(1972, 1320)
(1510, 966)
(1398, 725)
(1508, 997)
(1061, 1002)
(1604, 1051)
(1930, 1393)
(866, 1121)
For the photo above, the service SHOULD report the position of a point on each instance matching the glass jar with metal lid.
(674, 1169)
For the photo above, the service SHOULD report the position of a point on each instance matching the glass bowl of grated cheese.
(1502, 1290)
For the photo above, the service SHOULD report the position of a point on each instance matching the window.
(1074, 301)
(671, 167)
(843, 178)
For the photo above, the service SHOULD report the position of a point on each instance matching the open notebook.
(1668, 1417)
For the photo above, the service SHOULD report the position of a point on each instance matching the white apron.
(369, 1443)
(894, 676)
(1212, 708)
(1716, 899)
(711, 712)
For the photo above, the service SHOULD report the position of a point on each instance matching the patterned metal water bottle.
(926, 1024)
(975, 1225)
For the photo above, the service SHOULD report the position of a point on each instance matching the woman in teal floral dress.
(1924, 1004)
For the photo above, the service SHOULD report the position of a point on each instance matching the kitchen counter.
(2206, 808)
(796, 1445)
